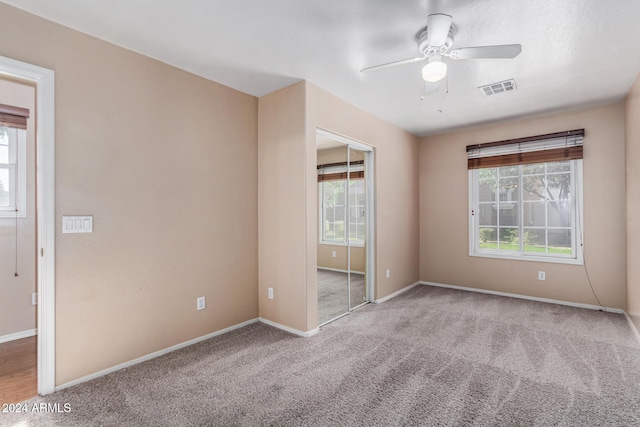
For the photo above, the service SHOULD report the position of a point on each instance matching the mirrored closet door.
(342, 228)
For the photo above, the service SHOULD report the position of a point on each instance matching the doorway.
(345, 225)
(43, 80)
(17, 241)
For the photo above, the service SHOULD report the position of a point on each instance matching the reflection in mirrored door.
(333, 261)
(342, 229)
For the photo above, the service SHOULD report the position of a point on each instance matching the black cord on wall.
(584, 258)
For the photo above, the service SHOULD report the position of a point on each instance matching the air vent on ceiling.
(493, 88)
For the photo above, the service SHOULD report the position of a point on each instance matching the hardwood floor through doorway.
(18, 370)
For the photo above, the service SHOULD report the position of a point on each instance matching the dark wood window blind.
(550, 147)
(13, 117)
(338, 175)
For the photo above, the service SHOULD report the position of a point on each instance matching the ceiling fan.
(434, 42)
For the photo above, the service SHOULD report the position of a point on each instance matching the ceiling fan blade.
(506, 51)
(393, 64)
(438, 25)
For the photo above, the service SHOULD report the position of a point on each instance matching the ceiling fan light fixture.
(434, 71)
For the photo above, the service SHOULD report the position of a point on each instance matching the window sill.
(521, 257)
(356, 245)
(12, 216)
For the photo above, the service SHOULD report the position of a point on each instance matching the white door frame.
(46, 230)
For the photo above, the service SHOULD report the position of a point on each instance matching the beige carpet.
(430, 356)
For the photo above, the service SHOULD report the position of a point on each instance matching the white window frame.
(576, 230)
(17, 174)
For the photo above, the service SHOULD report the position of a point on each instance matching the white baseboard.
(288, 329)
(18, 335)
(340, 271)
(179, 346)
(396, 293)
(153, 355)
(506, 294)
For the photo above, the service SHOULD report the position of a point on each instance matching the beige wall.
(339, 262)
(288, 199)
(444, 208)
(396, 187)
(633, 200)
(166, 162)
(16, 312)
(281, 207)
(338, 154)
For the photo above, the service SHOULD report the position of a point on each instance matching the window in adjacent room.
(13, 177)
(334, 218)
(525, 198)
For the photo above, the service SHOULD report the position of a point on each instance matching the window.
(12, 172)
(334, 218)
(525, 198)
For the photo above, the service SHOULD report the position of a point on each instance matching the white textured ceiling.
(575, 53)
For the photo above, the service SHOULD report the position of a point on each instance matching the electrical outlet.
(270, 293)
(541, 275)
(388, 273)
(34, 299)
(200, 303)
(333, 254)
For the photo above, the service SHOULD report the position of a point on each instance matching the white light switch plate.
(77, 224)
